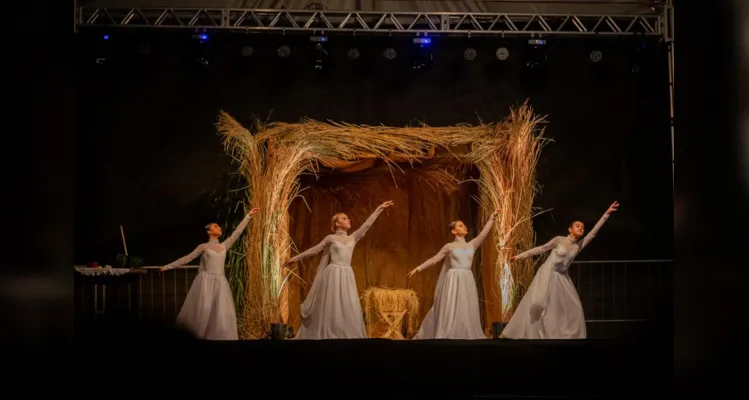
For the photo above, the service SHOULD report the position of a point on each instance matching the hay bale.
(387, 311)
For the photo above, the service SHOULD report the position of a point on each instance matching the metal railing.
(610, 291)
(621, 291)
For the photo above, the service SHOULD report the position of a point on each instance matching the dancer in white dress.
(455, 313)
(208, 311)
(551, 308)
(332, 309)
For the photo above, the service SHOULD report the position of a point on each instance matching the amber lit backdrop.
(403, 236)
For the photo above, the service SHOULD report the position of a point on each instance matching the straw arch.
(272, 158)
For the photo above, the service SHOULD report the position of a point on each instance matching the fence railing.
(618, 291)
(610, 291)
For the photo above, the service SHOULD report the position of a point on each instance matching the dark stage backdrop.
(147, 155)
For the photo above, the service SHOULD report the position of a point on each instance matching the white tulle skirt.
(551, 309)
(455, 313)
(332, 309)
(208, 311)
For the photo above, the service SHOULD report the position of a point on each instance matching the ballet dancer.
(551, 308)
(208, 311)
(332, 309)
(455, 313)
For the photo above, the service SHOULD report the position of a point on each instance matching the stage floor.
(377, 368)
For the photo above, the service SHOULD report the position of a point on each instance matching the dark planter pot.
(278, 331)
(497, 328)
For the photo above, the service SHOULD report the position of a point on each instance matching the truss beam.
(451, 23)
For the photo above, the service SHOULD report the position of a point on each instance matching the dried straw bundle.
(507, 166)
(274, 157)
(379, 301)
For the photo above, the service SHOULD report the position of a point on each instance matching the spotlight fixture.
(283, 51)
(321, 56)
(536, 53)
(202, 49)
(103, 51)
(247, 51)
(638, 55)
(534, 75)
(389, 53)
(503, 53)
(201, 37)
(144, 49)
(422, 56)
(596, 56)
(353, 53)
(469, 54)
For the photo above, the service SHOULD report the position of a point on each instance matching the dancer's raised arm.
(359, 233)
(317, 249)
(538, 250)
(592, 234)
(184, 260)
(238, 231)
(478, 240)
(432, 261)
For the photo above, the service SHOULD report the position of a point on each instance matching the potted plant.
(129, 261)
(279, 331)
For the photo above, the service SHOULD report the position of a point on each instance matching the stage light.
(283, 51)
(469, 54)
(202, 49)
(103, 50)
(353, 53)
(638, 55)
(247, 51)
(534, 74)
(536, 53)
(390, 53)
(321, 56)
(144, 49)
(596, 56)
(503, 53)
(422, 55)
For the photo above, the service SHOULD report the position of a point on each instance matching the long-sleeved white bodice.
(340, 244)
(212, 253)
(460, 252)
(564, 249)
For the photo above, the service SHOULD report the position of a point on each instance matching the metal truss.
(272, 20)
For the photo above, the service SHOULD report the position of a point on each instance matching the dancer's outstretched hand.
(412, 273)
(387, 204)
(162, 269)
(513, 258)
(613, 207)
(254, 210)
(496, 212)
(286, 264)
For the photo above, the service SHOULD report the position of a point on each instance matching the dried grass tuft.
(507, 165)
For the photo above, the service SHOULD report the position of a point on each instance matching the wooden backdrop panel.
(402, 237)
